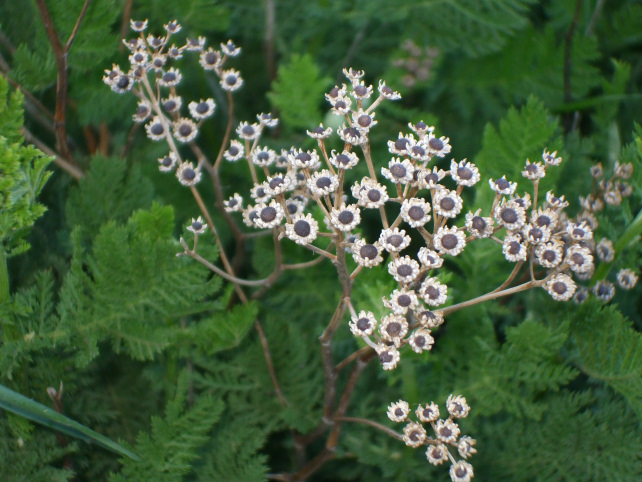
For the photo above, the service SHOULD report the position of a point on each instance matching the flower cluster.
(606, 193)
(154, 81)
(446, 434)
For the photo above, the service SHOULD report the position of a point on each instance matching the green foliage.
(111, 191)
(297, 92)
(27, 408)
(522, 134)
(24, 174)
(474, 26)
(168, 452)
(608, 349)
(576, 441)
(33, 459)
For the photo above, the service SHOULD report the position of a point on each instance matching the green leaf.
(297, 92)
(522, 134)
(609, 349)
(167, 452)
(28, 408)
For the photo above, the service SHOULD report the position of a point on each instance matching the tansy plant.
(315, 199)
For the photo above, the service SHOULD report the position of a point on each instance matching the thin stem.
(491, 296)
(372, 423)
(510, 278)
(268, 361)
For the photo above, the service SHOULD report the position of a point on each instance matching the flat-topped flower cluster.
(304, 195)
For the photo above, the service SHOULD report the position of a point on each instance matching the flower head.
(450, 241)
(457, 406)
(363, 324)
(561, 287)
(303, 229)
(414, 434)
(398, 411)
(197, 226)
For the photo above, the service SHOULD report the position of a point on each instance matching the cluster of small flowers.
(164, 121)
(543, 235)
(418, 64)
(606, 193)
(447, 434)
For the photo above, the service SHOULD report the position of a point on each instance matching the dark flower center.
(364, 120)
(479, 224)
(427, 413)
(502, 184)
(189, 174)
(302, 228)
(340, 105)
(385, 357)
(387, 90)
(343, 160)
(461, 472)
(360, 90)
(447, 203)
(318, 130)
(276, 182)
(393, 329)
(268, 214)
(464, 173)
(416, 213)
(234, 150)
(543, 221)
(549, 255)
(304, 157)
(560, 287)
(185, 130)
(536, 233)
(197, 225)
(395, 240)
(369, 251)
(211, 58)
(374, 195)
(418, 151)
(202, 108)
(514, 247)
(248, 130)
(352, 132)
(169, 76)
(404, 270)
(399, 412)
(509, 216)
(346, 217)
(142, 111)
(420, 341)
(432, 292)
(579, 232)
(398, 170)
(334, 92)
(170, 105)
(324, 182)
(401, 144)
(157, 129)
(231, 79)
(436, 144)
(167, 161)
(123, 82)
(445, 432)
(363, 324)
(404, 301)
(449, 241)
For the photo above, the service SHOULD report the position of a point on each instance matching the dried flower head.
(363, 324)
(398, 411)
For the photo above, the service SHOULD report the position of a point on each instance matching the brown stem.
(270, 366)
(124, 26)
(71, 169)
(372, 423)
(61, 53)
